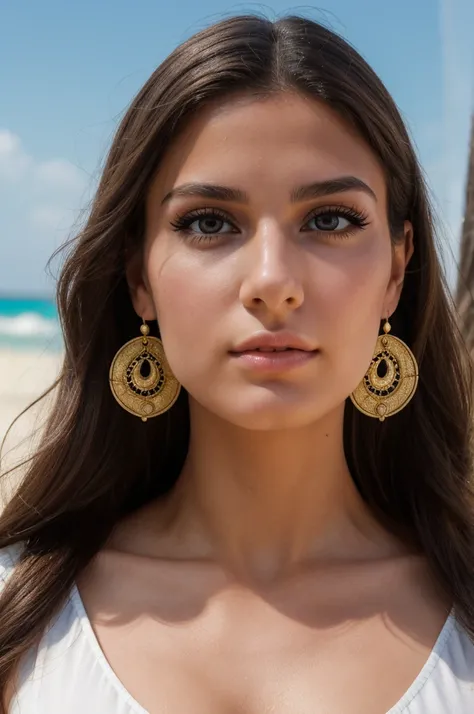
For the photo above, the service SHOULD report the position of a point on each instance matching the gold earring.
(144, 395)
(382, 395)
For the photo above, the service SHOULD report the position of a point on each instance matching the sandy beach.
(24, 375)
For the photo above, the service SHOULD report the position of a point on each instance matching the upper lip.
(274, 340)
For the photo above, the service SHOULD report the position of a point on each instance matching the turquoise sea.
(29, 324)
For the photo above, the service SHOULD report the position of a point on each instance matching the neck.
(266, 502)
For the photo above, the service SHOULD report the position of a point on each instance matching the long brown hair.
(96, 462)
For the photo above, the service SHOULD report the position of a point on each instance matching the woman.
(271, 510)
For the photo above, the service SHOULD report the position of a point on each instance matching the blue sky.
(68, 72)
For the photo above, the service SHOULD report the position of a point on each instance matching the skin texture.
(263, 583)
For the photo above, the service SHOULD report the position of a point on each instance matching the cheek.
(191, 299)
(353, 292)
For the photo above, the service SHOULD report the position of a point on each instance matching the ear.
(139, 288)
(402, 252)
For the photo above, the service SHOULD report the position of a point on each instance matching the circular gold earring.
(391, 380)
(141, 379)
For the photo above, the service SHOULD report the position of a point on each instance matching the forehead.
(268, 144)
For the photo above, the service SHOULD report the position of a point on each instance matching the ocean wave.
(28, 324)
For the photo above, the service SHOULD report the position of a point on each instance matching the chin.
(276, 416)
(270, 407)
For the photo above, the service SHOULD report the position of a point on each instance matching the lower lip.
(274, 361)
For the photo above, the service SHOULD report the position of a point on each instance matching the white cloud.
(14, 162)
(49, 217)
(39, 202)
(9, 143)
(58, 174)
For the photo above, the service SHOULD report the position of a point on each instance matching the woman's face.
(294, 245)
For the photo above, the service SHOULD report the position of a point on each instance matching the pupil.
(210, 224)
(327, 222)
(145, 369)
(382, 368)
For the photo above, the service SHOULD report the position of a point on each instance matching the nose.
(272, 281)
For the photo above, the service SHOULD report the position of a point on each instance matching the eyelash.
(358, 220)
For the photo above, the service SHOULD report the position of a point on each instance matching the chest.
(239, 654)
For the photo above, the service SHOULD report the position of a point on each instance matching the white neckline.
(406, 698)
(428, 668)
(91, 637)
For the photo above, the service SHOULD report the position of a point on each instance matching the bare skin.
(263, 583)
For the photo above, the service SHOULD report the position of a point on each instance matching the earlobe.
(401, 256)
(143, 302)
(409, 244)
(140, 293)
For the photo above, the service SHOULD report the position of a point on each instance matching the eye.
(330, 222)
(336, 219)
(204, 223)
(211, 224)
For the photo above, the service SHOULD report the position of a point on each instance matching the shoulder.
(9, 557)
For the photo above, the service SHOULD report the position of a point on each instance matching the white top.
(68, 671)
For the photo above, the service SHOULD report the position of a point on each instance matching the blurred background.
(68, 72)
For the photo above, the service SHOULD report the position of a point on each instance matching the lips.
(274, 353)
(274, 342)
(274, 361)
(273, 349)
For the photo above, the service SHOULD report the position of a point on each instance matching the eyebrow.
(317, 189)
